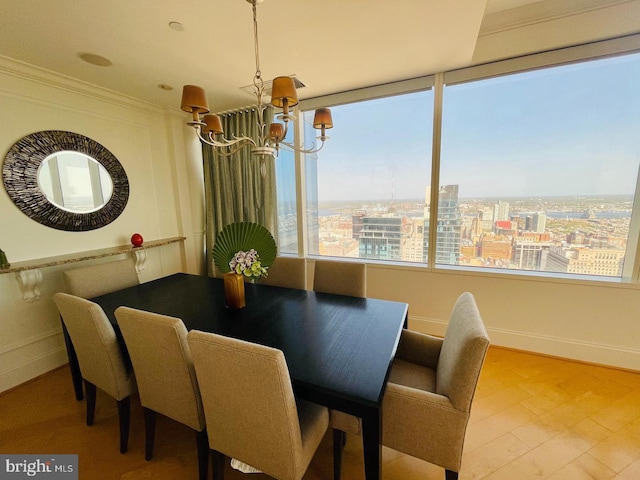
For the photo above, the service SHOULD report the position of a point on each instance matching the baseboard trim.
(37, 366)
(566, 348)
(32, 357)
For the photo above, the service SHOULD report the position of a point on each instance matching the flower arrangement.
(248, 264)
(244, 248)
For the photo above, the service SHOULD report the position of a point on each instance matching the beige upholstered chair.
(93, 281)
(250, 409)
(342, 278)
(100, 357)
(167, 384)
(100, 279)
(428, 398)
(289, 272)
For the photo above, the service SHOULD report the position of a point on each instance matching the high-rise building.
(412, 249)
(538, 222)
(530, 254)
(381, 238)
(356, 225)
(587, 261)
(449, 226)
(501, 211)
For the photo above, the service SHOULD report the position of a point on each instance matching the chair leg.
(124, 415)
(339, 441)
(450, 475)
(90, 388)
(202, 441)
(217, 463)
(149, 432)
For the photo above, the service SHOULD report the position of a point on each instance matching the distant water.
(583, 215)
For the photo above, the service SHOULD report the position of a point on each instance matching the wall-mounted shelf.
(29, 276)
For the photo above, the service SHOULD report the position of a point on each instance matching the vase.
(234, 290)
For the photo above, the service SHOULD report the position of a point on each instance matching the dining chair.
(250, 410)
(100, 279)
(342, 278)
(428, 398)
(288, 272)
(93, 281)
(167, 384)
(99, 354)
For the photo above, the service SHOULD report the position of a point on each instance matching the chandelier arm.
(238, 141)
(222, 153)
(301, 149)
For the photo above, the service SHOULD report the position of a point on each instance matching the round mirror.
(65, 180)
(75, 182)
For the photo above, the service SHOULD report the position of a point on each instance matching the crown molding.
(540, 12)
(25, 71)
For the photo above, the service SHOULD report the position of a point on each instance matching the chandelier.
(283, 96)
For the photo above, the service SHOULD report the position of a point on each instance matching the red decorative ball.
(136, 240)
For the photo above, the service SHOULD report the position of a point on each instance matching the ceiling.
(330, 45)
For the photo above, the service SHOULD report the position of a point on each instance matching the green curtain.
(241, 187)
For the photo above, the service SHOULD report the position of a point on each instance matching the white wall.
(166, 199)
(594, 322)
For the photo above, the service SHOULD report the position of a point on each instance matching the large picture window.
(366, 188)
(537, 169)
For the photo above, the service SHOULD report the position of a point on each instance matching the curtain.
(240, 187)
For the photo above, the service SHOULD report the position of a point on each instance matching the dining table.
(339, 349)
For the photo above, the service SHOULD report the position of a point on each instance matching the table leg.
(74, 366)
(372, 443)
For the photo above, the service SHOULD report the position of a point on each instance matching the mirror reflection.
(75, 182)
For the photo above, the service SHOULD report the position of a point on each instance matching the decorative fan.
(242, 237)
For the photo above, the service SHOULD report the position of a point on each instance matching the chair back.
(463, 352)
(248, 403)
(289, 272)
(342, 278)
(100, 279)
(161, 359)
(96, 345)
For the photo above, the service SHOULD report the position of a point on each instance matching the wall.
(166, 199)
(595, 322)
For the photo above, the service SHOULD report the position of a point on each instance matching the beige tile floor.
(533, 418)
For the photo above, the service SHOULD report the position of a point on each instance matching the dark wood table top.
(338, 349)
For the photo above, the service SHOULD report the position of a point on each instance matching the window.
(539, 169)
(366, 188)
(537, 164)
(287, 208)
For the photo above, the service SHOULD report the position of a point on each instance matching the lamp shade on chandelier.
(283, 96)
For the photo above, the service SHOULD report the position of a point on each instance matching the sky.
(572, 130)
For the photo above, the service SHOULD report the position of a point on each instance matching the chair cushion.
(402, 373)
(413, 375)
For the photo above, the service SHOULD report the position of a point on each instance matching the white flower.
(247, 264)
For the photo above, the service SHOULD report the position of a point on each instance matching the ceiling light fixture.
(283, 95)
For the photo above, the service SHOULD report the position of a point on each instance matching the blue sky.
(573, 130)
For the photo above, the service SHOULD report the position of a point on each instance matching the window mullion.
(435, 168)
